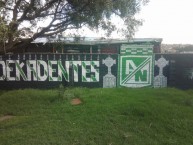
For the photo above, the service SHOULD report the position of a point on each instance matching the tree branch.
(15, 12)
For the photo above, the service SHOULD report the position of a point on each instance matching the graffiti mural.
(52, 70)
(175, 69)
(160, 80)
(136, 65)
(190, 73)
(109, 80)
(49, 70)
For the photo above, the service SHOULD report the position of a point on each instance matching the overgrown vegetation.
(106, 117)
(27, 20)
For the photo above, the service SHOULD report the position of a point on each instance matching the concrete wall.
(175, 69)
(51, 70)
(133, 67)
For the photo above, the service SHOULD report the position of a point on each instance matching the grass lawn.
(118, 116)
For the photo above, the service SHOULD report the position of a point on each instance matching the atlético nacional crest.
(135, 71)
(135, 65)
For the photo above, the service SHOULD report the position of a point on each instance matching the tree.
(3, 34)
(22, 19)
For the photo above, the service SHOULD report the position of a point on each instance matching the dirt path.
(6, 117)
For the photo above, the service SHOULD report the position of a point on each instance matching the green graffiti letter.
(9, 70)
(44, 75)
(52, 70)
(141, 76)
(31, 69)
(63, 72)
(3, 70)
(19, 71)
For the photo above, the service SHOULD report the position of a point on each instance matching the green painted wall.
(135, 66)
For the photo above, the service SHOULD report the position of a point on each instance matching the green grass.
(118, 116)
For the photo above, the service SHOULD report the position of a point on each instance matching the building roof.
(94, 40)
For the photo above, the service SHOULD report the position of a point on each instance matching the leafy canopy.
(22, 19)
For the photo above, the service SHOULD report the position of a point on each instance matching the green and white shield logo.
(135, 71)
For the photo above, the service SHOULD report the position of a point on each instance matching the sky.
(171, 20)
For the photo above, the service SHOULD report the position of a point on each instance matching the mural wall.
(50, 70)
(135, 66)
(160, 79)
(173, 70)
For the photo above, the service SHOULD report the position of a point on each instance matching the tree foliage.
(22, 21)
